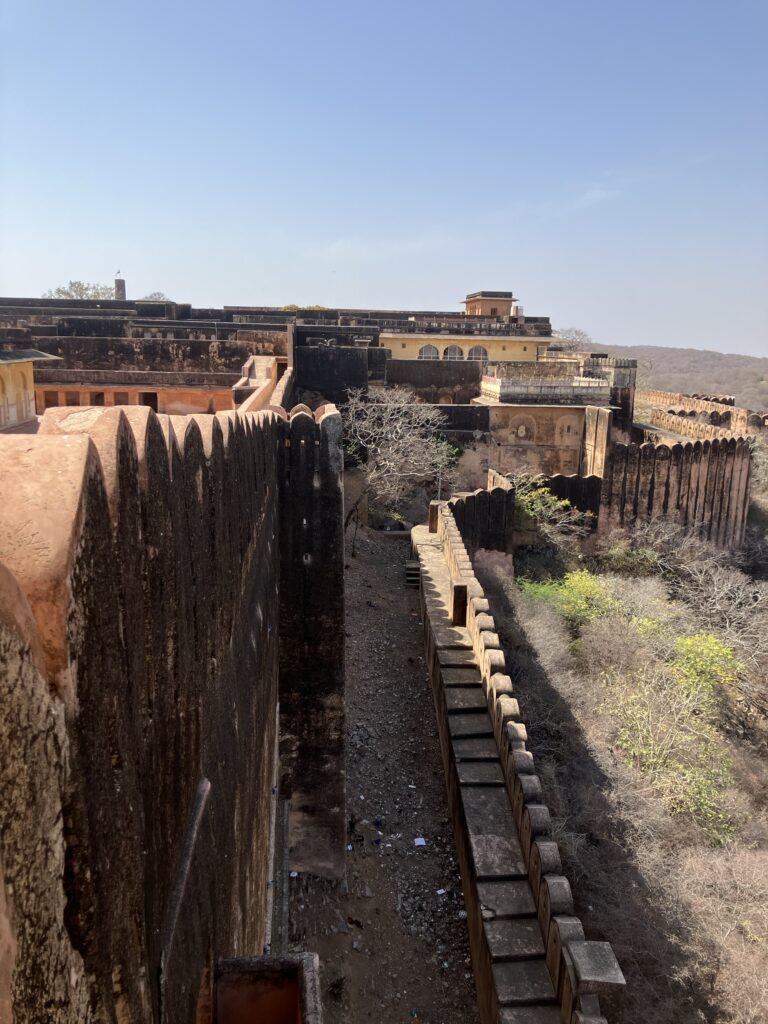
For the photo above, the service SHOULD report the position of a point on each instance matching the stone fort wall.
(530, 954)
(688, 427)
(84, 352)
(142, 637)
(739, 421)
(701, 486)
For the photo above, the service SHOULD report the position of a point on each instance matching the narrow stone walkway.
(392, 939)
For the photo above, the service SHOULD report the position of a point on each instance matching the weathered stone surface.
(42, 975)
(465, 698)
(530, 1015)
(140, 631)
(481, 748)
(459, 676)
(513, 939)
(493, 838)
(506, 898)
(481, 773)
(704, 486)
(312, 643)
(596, 966)
(470, 724)
(523, 981)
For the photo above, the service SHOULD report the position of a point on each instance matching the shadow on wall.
(164, 577)
(613, 897)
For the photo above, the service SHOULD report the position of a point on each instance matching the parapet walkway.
(531, 962)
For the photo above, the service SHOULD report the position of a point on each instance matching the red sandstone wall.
(139, 673)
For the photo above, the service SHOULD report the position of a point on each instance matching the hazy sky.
(605, 160)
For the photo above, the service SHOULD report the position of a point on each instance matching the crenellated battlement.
(528, 949)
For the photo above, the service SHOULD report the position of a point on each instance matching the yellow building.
(489, 304)
(17, 387)
(486, 347)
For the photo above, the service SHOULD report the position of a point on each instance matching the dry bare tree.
(573, 339)
(723, 599)
(396, 441)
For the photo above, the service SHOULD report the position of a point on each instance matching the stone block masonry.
(141, 644)
(530, 957)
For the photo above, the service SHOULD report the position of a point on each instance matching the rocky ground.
(392, 937)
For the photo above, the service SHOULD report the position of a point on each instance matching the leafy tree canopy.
(81, 290)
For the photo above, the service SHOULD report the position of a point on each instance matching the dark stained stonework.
(141, 642)
(312, 643)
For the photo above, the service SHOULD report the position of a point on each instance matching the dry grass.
(728, 894)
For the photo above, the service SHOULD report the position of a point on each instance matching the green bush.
(579, 596)
(557, 520)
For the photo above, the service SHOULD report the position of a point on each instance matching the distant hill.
(694, 371)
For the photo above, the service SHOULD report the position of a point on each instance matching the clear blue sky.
(605, 160)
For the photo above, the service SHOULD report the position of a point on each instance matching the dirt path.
(392, 938)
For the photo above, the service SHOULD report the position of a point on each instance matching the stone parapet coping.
(531, 960)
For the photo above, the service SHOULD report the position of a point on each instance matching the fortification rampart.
(688, 427)
(701, 486)
(739, 421)
(529, 951)
(158, 350)
(142, 647)
(583, 492)
(437, 382)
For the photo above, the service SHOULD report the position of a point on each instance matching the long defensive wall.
(165, 584)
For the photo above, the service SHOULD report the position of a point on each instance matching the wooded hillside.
(694, 371)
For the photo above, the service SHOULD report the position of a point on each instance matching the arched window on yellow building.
(453, 352)
(478, 352)
(428, 352)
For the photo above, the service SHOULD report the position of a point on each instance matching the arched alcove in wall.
(567, 429)
(522, 428)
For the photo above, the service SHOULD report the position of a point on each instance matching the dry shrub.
(621, 846)
(728, 893)
(544, 626)
(613, 643)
